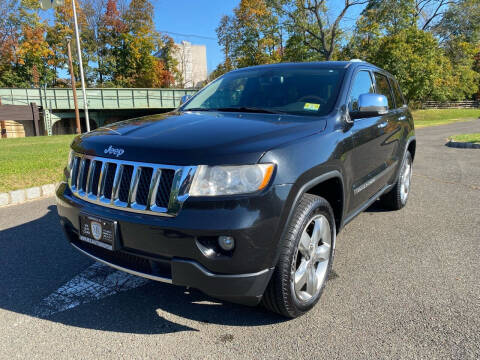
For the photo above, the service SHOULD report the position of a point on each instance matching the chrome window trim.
(178, 192)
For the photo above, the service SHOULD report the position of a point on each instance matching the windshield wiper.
(199, 109)
(249, 109)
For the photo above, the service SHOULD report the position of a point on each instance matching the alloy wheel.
(405, 179)
(310, 266)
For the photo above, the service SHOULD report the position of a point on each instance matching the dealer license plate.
(97, 231)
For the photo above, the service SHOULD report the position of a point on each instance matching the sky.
(194, 17)
(201, 17)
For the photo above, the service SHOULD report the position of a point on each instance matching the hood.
(196, 138)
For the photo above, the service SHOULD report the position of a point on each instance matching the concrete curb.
(462, 145)
(21, 196)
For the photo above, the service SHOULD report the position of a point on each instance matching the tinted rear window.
(384, 88)
(399, 101)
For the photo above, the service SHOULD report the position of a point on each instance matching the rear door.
(401, 121)
(389, 128)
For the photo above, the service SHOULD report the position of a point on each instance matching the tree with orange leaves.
(26, 55)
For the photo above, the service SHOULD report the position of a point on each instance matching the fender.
(297, 194)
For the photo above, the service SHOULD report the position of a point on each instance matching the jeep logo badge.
(112, 151)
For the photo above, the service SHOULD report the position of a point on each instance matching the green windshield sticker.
(311, 106)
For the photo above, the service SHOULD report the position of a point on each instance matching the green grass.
(32, 161)
(434, 117)
(470, 138)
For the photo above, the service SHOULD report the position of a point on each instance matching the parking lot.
(406, 284)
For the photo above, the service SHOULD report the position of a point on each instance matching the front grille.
(132, 186)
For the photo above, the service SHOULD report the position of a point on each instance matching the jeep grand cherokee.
(241, 191)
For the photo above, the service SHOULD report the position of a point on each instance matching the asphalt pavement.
(406, 284)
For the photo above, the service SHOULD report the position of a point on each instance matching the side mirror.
(371, 105)
(185, 98)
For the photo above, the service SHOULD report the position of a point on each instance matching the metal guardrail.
(97, 99)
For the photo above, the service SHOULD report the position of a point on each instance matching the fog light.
(227, 243)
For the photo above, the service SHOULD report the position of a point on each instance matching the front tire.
(305, 261)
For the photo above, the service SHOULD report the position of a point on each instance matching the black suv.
(241, 191)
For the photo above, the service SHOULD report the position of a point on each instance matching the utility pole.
(48, 4)
(74, 89)
(80, 64)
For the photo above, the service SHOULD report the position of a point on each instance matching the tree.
(251, 36)
(226, 39)
(461, 20)
(428, 11)
(111, 28)
(168, 74)
(312, 18)
(94, 10)
(62, 30)
(422, 68)
(133, 63)
(26, 57)
(392, 16)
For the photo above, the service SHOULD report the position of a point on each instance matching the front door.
(370, 136)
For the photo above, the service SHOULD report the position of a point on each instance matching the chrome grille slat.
(99, 176)
(80, 175)
(101, 181)
(154, 183)
(116, 183)
(91, 171)
(72, 181)
(132, 194)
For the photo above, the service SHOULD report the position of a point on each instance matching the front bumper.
(165, 248)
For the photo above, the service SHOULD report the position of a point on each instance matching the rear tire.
(397, 198)
(305, 261)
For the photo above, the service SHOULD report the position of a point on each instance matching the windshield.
(299, 91)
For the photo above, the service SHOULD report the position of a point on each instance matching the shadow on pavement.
(36, 259)
(376, 207)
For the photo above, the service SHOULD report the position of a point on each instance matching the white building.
(192, 64)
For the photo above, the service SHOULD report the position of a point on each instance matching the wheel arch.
(331, 189)
(412, 146)
(329, 185)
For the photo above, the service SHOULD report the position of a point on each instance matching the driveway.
(406, 284)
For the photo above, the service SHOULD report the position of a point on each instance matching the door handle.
(382, 125)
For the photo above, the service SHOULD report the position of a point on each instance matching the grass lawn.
(32, 161)
(470, 138)
(433, 117)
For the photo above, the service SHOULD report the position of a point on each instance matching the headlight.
(228, 180)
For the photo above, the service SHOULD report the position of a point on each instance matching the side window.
(361, 85)
(397, 93)
(384, 88)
